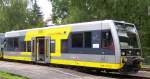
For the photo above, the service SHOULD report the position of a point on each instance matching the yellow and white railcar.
(105, 44)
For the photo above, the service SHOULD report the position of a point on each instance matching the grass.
(6, 75)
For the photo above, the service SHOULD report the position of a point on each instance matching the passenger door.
(37, 46)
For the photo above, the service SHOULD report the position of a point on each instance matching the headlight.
(130, 52)
(124, 60)
(138, 53)
(123, 53)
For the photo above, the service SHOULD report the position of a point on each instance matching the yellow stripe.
(18, 58)
(73, 62)
(26, 53)
(87, 64)
(53, 33)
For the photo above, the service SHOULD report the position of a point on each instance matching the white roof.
(23, 32)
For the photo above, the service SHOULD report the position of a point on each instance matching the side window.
(64, 46)
(12, 44)
(28, 46)
(16, 43)
(21, 43)
(22, 46)
(77, 40)
(96, 39)
(52, 46)
(9, 43)
(87, 40)
(81, 40)
(107, 40)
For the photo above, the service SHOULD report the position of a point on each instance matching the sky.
(46, 8)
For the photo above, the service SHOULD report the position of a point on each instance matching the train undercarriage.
(131, 65)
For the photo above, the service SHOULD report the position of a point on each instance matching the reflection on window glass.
(107, 41)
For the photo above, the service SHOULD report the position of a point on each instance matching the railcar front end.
(130, 49)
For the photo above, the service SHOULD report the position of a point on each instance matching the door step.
(42, 62)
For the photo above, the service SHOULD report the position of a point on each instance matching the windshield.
(127, 35)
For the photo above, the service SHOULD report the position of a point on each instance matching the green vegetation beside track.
(6, 75)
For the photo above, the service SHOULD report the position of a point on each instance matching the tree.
(60, 10)
(14, 15)
(134, 11)
(35, 15)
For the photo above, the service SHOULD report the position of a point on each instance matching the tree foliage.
(134, 11)
(36, 16)
(15, 15)
(60, 10)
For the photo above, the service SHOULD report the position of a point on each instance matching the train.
(102, 45)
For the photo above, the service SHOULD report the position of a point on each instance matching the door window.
(52, 46)
(28, 46)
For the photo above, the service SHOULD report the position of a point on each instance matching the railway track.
(119, 76)
(135, 77)
(143, 74)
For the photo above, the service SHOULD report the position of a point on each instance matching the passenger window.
(87, 39)
(22, 46)
(52, 46)
(77, 40)
(16, 43)
(107, 41)
(21, 43)
(12, 44)
(9, 43)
